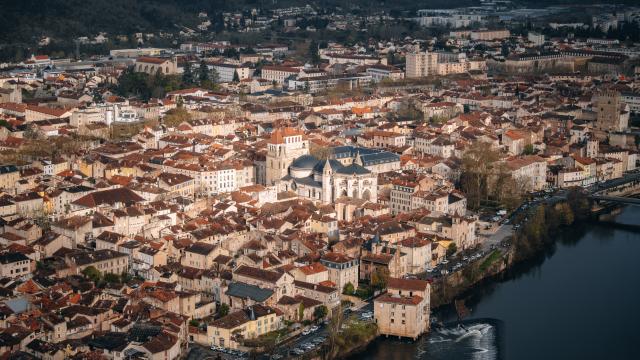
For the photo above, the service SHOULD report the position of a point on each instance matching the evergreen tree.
(214, 77)
(236, 78)
(203, 71)
(187, 74)
(314, 53)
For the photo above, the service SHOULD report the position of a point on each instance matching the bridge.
(616, 199)
(627, 183)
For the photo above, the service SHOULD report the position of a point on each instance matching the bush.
(364, 292)
(348, 289)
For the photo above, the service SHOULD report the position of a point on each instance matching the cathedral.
(349, 171)
(327, 180)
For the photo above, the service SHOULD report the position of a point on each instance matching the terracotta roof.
(407, 284)
(396, 299)
(277, 137)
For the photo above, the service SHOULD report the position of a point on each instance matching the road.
(199, 352)
(323, 332)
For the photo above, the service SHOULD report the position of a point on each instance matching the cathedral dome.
(303, 166)
(304, 162)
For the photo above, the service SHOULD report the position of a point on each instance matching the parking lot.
(198, 352)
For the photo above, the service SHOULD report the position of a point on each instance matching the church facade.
(349, 171)
(328, 180)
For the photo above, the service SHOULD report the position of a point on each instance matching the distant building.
(155, 65)
(613, 115)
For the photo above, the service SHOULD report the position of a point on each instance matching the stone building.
(284, 146)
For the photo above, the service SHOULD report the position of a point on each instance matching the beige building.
(285, 145)
(154, 65)
(15, 265)
(342, 269)
(200, 255)
(404, 310)
(612, 114)
(529, 171)
(229, 331)
(313, 273)
(105, 261)
(280, 283)
(421, 64)
(9, 175)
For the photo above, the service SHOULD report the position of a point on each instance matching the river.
(579, 300)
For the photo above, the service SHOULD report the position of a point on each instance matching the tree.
(175, 117)
(528, 150)
(320, 312)
(187, 74)
(91, 273)
(565, 214)
(380, 278)
(236, 77)
(32, 132)
(452, 249)
(223, 310)
(348, 289)
(300, 312)
(478, 165)
(214, 76)
(320, 152)
(112, 278)
(203, 72)
(314, 53)
(334, 328)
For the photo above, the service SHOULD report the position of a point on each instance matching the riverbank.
(538, 229)
(574, 300)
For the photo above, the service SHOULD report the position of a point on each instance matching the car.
(214, 348)
(276, 357)
(464, 258)
(429, 270)
(298, 351)
(306, 332)
(445, 261)
(314, 328)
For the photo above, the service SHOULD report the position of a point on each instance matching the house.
(105, 261)
(229, 331)
(240, 295)
(342, 269)
(404, 310)
(15, 264)
(313, 273)
(76, 228)
(280, 283)
(200, 255)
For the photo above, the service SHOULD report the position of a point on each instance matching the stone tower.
(610, 117)
(327, 183)
(285, 145)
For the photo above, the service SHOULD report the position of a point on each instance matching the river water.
(579, 300)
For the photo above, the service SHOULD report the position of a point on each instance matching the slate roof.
(246, 291)
(353, 169)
